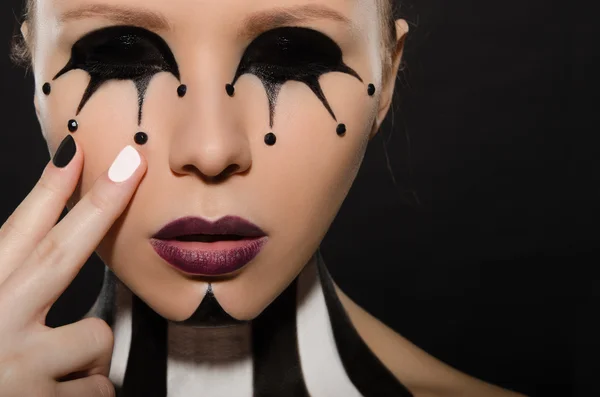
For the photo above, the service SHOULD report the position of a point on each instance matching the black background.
(481, 248)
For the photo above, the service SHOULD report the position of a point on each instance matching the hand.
(38, 261)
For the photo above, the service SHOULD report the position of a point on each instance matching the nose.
(211, 140)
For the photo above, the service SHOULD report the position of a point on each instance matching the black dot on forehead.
(341, 129)
(182, 90)
(371, 89)
(141, 138)
(270, 139)
(47, 88)
(73, 125)
(230, 89)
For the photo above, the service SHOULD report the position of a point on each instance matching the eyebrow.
(125, 15)
(251, 27)
(263, 21)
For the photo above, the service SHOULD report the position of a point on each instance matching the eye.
(292, 53)
(121, 53)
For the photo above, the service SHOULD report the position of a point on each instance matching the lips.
(200, 247)
(229, 225)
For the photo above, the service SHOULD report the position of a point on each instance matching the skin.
(205, 154)
(206, 151)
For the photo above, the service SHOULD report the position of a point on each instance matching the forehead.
(201, 11)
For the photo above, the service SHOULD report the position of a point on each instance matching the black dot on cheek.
(141, 138)
(371, 90)
(47, 88)
(230, 89)
(73, 125)
(182, 90)
(341, 130)
(270, 139)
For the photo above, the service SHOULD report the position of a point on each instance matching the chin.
(192, 299)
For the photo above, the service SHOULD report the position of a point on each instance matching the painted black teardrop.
(121, 53)
(47, 88)
(371, 90)
(292, 53)
(182, 90)
(210, 313)
(73, 125)
(270, 139)
(230, 89)
(141, 138)
(341, 129)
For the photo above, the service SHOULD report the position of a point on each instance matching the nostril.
(222, 176)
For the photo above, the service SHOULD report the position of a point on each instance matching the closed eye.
(120, 53)
(292, 53)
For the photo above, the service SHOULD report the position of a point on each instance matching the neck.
(302, 345)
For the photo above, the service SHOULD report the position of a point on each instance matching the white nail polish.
(124, 165)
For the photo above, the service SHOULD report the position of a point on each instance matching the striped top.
(303, 344)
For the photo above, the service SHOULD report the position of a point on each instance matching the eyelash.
(305, 57)
(276, 56)
(101, 54)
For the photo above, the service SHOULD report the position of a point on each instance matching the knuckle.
(11, 371)
(100, 333)
(16, 376)
(48, 249)
(103, 386)
(100, 199)
(10, 227)
(45, 184)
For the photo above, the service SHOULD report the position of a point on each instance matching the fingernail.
(65, 152)
(124, 165)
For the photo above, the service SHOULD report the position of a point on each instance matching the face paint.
(73, 125)
(121, 53)
(292, 53)
(141, 138)
(182, 90)
(270, 139)
(230, 89)
(341, 130)
(46, 88)
(371, 90)
(210, 314)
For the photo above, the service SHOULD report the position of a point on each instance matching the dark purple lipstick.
(200, 247)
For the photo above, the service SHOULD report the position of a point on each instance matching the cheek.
(300, 183)
(106, 125)
(312, 168)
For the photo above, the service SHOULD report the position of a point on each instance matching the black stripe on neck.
(365, 370)
(146, 373)
(277, 370)
(210, 314)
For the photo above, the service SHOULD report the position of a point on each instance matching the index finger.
(58, 258)
(42, 207)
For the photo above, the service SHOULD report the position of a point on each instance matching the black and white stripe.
(303, 344)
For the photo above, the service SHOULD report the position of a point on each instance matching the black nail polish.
(65, 152)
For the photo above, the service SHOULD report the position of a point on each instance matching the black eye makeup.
(275, 57)
(291, 53)
(121, 53)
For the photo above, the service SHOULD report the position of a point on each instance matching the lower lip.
(208, 259)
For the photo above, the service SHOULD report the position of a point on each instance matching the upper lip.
(190, 225)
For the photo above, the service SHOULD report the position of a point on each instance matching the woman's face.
(206, 150)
